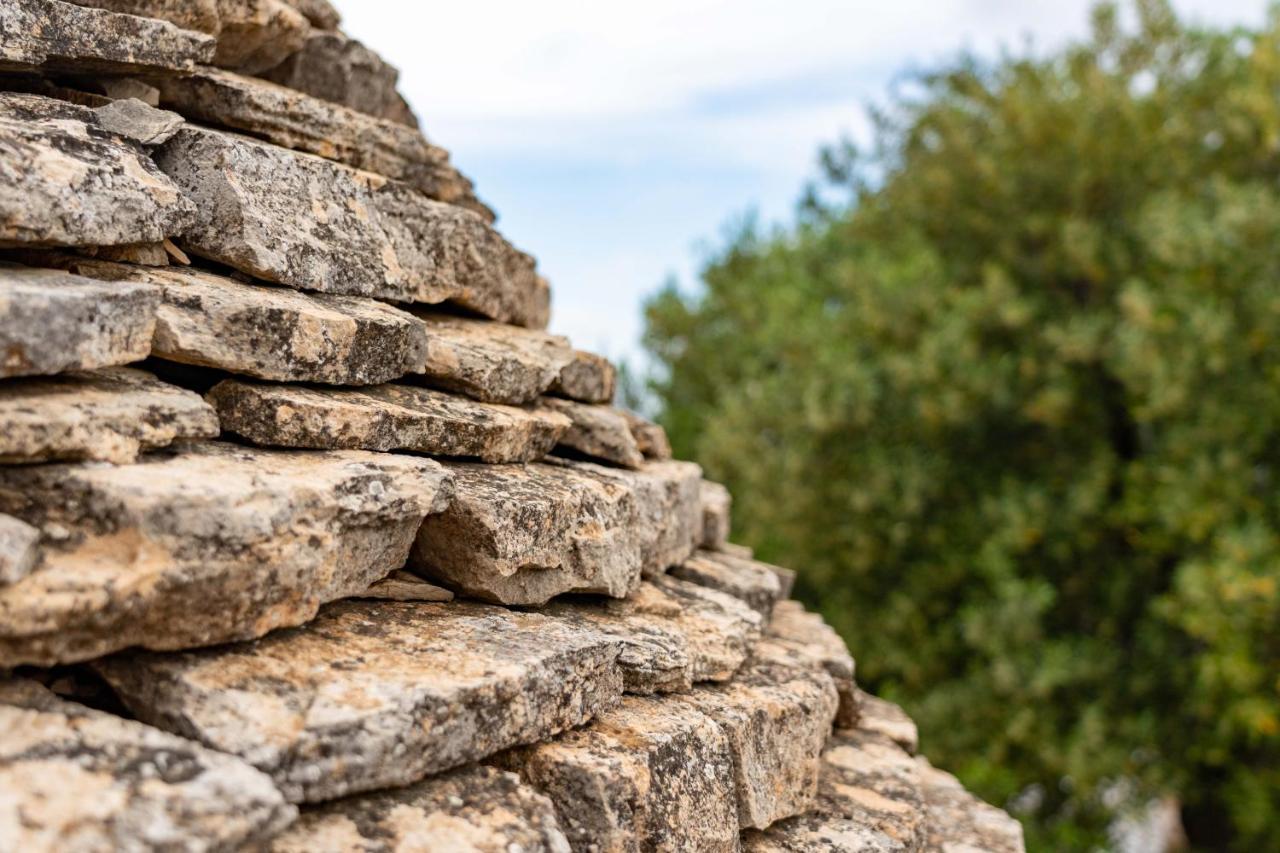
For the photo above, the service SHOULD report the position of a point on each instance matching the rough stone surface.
(66, 182)
(110, 415)
(51, 321)
(19, 549)
(493, 362)
(377, 694)
(69, 37)
(320, 13)
(958, 822)
(359, 234)
(402, 586)
(716, 503)
(338, 68)
(385, 417)
(887, 719)
(200, 15)
(274, 333)
(598, 432)
(299, 121)
(588, 378)
(76, 779)
(475, 809)
(138, 121)
(754, 583)
(815, 641)
(650, 437)
(218, 543)
(256, 35)
(651, 774)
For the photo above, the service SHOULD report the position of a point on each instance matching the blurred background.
(974, 305)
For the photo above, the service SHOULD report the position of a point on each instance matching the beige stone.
(596, 432)
(959, 822)
(887, 719)
(403, 586)
(650, 437)
(588, 378)
(19, 549)
(320, 13)
(716, 504)
(493, 362)
(754, 583)
(813, 639)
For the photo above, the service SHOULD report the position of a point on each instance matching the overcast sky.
(616, 140)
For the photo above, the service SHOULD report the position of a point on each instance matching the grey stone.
(299, 121)
(309, 223)
(493, 362)
(137, 121)
(716, 503)
(650, 437)
(754, 583)
(110, 415)
(47, 34)
(402, 586)
(19, 549)
(385, 417)
(377, 694)
(121, 88)
(474, 809)
(72, 778)
(588, 378)
(215, 544)
(64, 181)
(959, 822)
(814, 640)
(51, 321)
(598, 432)
(887, 719)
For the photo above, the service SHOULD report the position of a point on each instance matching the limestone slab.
(296, 120)
(51, 321)
(959, 821)
(376, 694)
(887, 719)
(385, 417)
(108, 415)
(814, 640)
(137, 121)
(716, 503)
(19, 551)
(588, 378)
(76, 779)
(597, 432)
(214, 544)
(66, 182)
(493, 362)
(403, 586)
(751, 582)
(200, 15)
(475, 809)
(310, 223)
(49, 34)
(650, 437)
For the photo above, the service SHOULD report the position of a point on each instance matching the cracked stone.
(377, 694)
(959, 821)
(886, 718)
(597, 432)
(215, 544)
(313, 224)
(385, 417)
(815, 641)
(492, 362)
(19, 549)
(754, 583)
(588, 378)
(109, 415)
(716, 503)
(72, 778)
(650, 437)
(51, 321)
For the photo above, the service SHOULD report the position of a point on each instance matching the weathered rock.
(887, 719)
(19, 552)
(76, 779)
(67, 37)
(958, 821)
(320, 13)
(385, 417)
(120, 88)
(493, 362)
(274, 333)
(52, 321)
(598, 432)
(588, 378)
(338, 68)
(299, 121)
(110, 415)
(200, 15)
(66, 182)
(402, 586)
(477, 809)
(359, 234)
(216, 544)
(752, 582)
(377, 694)
(814, 640)
(716, 502)
(744, 552)
(650, 437)
(651, 774)
(138, 122)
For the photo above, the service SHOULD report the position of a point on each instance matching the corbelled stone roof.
(313, 539)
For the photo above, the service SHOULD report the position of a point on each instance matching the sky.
(617, 141)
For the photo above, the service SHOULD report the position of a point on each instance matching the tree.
(1013, 410)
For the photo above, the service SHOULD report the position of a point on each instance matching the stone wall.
(313, 539)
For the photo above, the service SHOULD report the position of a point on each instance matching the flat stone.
(272, 332)
(108, 415)
(72, 778)
(476, 809)
(493, 362)
(46, 34)
(597, 432)
(402, 586)
(588, 378)
(51, 321)
(377, 694)
(313, 224)
(716, 503)
(651, 774)
(218, 543)
(650, 437)
(887, 719)
(19, 549)
(296, 120)
(138, 122)
(338, 68)
(385, 417)
(959, 821)
(200, 15)
(66, 182)
(813, 639)
(751, 582)
(320, 13)
(120, 88)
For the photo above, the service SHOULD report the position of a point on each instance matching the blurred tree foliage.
(1013, 409)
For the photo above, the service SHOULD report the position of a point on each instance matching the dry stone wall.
(312, 538)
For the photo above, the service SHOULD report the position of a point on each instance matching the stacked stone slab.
(313, 538)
